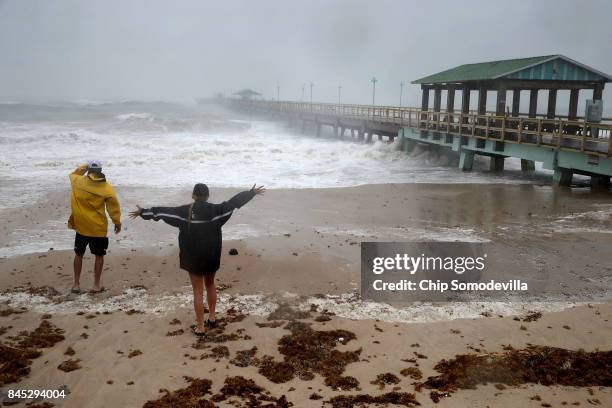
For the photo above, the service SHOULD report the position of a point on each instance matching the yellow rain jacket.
(90, 196)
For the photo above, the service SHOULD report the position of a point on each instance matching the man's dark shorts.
(97, 245)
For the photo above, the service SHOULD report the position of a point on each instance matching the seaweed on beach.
(397, 398)
(273, 324)
(534, 364)
(217, 353)
(385, 379)
(45, 291)
(307, 351)
(244, 358)
(10, 311)
(218, 334)
(17, 354)
(341, 383)
(412, 372)
(247, 390)
(69, 365)
(195, 395)
(191, 396)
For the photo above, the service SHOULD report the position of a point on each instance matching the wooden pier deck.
(559, 143)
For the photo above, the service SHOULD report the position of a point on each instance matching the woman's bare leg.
(211, 296)
(197, 283)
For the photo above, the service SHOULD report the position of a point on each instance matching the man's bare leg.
(211, 296)
(197, 283)
(99, 263)
(78, 266)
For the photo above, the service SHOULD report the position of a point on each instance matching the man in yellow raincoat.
(91, 196)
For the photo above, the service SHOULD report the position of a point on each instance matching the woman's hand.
(258, 190)
(136, 213)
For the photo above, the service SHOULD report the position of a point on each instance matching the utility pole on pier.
(339, 93)
(401, 92)
(374, 81)
(303, 87)
(277, 91)
(311, 85)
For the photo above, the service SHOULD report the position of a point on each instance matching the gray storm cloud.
(180, 50)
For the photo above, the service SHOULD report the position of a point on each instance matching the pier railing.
(558, 133)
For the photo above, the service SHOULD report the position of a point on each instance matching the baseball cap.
(95, 165)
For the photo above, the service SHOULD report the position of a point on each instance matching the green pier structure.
(566, 144)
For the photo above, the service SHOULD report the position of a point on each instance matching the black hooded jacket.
(199, 232)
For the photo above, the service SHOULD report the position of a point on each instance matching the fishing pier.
(566, 144)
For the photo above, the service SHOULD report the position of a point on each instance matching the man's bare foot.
(199, 330)
(75, 289)
(97, 289)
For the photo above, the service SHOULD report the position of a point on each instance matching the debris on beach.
(195, 395)
(216, 353)
(69, 365)
(397, 398)
(412, 372)
(250, 392)
(175, 321)
(69, 351)
(273, 324)
(307, 351)
(532, 317)
(244, 358)
(286, 312)
(233, 251)
(134, 353)
(175, 332)
(133, 311)
(385, 379)
(534, 364)
(188, 397)
(10, 311)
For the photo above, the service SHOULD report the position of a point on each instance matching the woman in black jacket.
(199, 227)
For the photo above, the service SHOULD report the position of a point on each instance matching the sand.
(306, 251)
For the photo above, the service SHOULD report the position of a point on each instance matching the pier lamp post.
(277, 91)
(401, 92)
(311, 85)
(303, 87)
(373, 81)
(339, 93)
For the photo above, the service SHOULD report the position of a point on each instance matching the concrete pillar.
(598, 91)
(369, 137)
(533, 103)
(437, 101)
(572, 112)
(318, 126)
(482, 101)
(516, 102)
(336, 131)
(466, 160)
(342, 130)
(465, 103)
(600, 182)
(380, 137)
(500, 109)
(450, 99)
(497, 163)
(409, 145)
(552, 103)
(527, 165)
(352, 133)
(425, 98)
(361, 133)
(562, 177)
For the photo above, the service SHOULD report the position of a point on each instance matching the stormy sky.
(178, 50)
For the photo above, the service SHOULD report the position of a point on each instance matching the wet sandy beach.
(301, 248)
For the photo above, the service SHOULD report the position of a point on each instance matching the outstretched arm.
(241, 198)
(174, 216)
